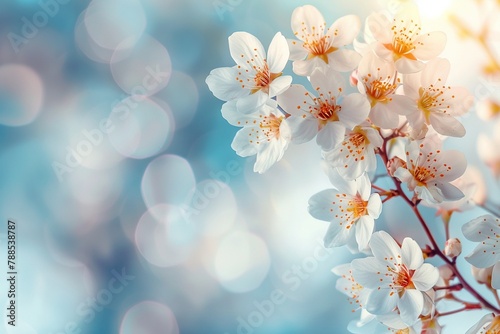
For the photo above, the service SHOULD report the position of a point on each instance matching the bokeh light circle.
(182, 96)
(140, 127)
(21, 95)
(214, 207)
(167, 179)
(149, 317)
(164, 237)
(144, 69)
(241, 262)
(110, 22)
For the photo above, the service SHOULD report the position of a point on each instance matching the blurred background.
(133, 213)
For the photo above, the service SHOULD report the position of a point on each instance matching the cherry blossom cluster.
(376, 99)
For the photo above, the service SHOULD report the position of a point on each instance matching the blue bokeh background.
(205, 245)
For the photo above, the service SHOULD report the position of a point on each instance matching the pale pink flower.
(428, 171)
(378, 81)
(317, 48)
(434, 102)
(402, 41)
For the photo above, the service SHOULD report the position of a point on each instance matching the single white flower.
(401, 40)
(356, 154)
(428, 171)
(256, 76)
(488, 324)
(319, 48)
(264, 133)
(435, 103)
(326, 115)
(397, 277)
(486, 231)
(351, 210)
(378, 81)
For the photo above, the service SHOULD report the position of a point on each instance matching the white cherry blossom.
(351, 210)
(256, 77)
(402, 41)
(397, 277)
(264, 133)
(378, 81)
(327, 114)
(428, 171)
(356, 154)
(317, 48)
(434, 102)
(486, 231)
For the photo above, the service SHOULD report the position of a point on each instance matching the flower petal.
(370, 273)
(383, 115)
(278, 53)
(242, 145)
(435, 73)
(344, 30)
(303, 129)
(297, 50)
(279, 85)
(379, 26)
(355, 110)
(411, 254)
(382, 301)
(374, 206)
(483, 256)
(344, 60)
(425, 277)
(384, 247)
(269, 155)
(251, 103)
(364, 230)
(308, 23)
(320, 204)
(330, 135)
(246, 50)
(223, 84)
(410, 306)
(481, 228)
(446, 125)
(430, 45)
(406, 65)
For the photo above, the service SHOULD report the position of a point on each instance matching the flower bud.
(482, 275)
(446, 273)
(452, 247)
(393, 164)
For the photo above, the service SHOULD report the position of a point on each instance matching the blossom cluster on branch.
(376, 97)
